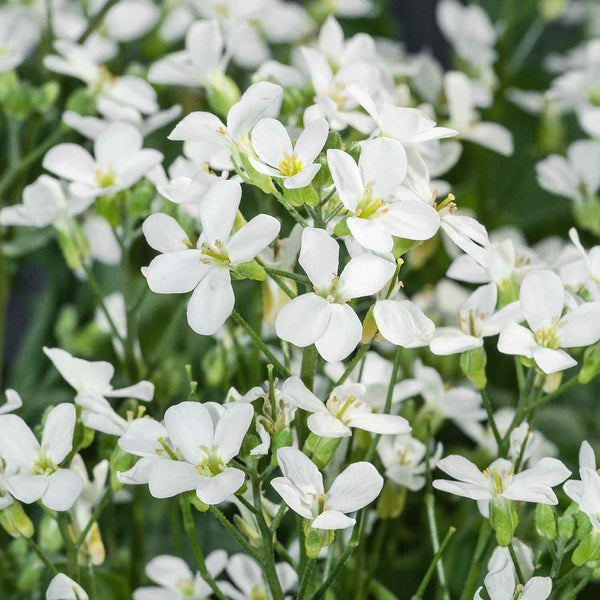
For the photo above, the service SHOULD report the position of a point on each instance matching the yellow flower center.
(106, 178)
(43, 464)
(290, 165)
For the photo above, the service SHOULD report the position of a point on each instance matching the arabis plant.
(283, 276)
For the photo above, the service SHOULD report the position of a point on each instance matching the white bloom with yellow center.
(278, 158)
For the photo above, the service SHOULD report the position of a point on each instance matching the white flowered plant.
(255, 249)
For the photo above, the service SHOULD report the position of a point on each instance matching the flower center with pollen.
(214, 254)
(258, 592)
(106, 178)
(370, 207)
(547, 337)
(498, 482)
(213, 463)
(43, 463)
(186, 587)
(339, 407)
(471, 322)
(290, 164)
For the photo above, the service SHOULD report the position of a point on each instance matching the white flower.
(501, 582)
(403, 457)
(127, 20)
(81, 511)
(19, 34)
(542, 298)
(500, 481)
(13, 402)
(465, 119)
(295, 165)
(206, 269)
(403, 323)
(477, 319)
(577, 176)
(497, 262)
(374, 372)
(32, 469)
(175, 579)
(91, 381)
(332, 98)
(323, 317)
(586, 492)
(260, 100)
(207, 447)
(301, 487)
(127, 89)
(409, 126)
(247, 575)
(119, 161)
(64, 588)
(460, 404)
(345, 408)
(591, 260)
(366, 191)
(110, 111)
(44, 203)
(469, 31)
(204, 57)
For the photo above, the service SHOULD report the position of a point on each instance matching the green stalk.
(388, 402)
(490, 413)
(437, 557)
(268, 557)
(305, 578)
(261, 345)
(474, 573)
(293, 212)
(234, 532)
(348, 550)
(357, 358)
(99, 508)
(72, 560)
(96, 20)
(308, 369)
(42, 556)
(190, 529)
(287, 275)
(516, 564)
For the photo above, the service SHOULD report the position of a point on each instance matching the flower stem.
(516, 564)
(285, 203)
(42, 556)
(357, 358)
(234, 532)
(490, 413)
(261, 345)
(348, 550)
(475, 569)
(437, 557)
(268, 557)
(190, 529)
(563, 388)
(305, 578)
(95, 20)
(65, 531)
(388, 402)
(287, 275)
(99, 508)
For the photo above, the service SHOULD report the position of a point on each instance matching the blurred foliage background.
(43, 303)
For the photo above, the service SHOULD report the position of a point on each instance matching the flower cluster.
(276, 314)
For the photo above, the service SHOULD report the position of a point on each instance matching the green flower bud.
(119, 461)
(193, 499)
(566, 525)
(306, 195)
(15, 521)
(503, 519)
(545, 521)
(320, 450)
(391, 501)
(591, 364)
(249, 270)
(281, 438)
(588, 550)
(221, 93)
(587, 215)
(473, 364)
